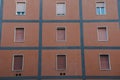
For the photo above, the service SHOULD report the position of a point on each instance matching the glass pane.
(98, 11)
(102, 10)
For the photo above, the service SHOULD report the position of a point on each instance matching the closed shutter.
(61, 34)
(61, 62)
(104, 59)
(18, 61)
(20, 34)
(60, 8)
(102, 33)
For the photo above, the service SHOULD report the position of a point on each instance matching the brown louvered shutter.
(18, 61)
(61, 34)
(104, 59)
(20, 34)
(61, 62)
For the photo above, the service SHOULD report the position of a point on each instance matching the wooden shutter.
(61, 62)
(18, 62)
(102, 33)
(104, 59)
(61, 34)
(20, 34)
(20, 6)
(60, 8)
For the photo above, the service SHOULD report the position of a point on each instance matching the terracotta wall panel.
(72, 34)
(92, 63)
(72, 10)
(91, 37)
(49, 62)
(30, 67)
(32, 10)
(89, 10)
(30, 30)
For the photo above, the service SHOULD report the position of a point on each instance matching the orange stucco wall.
(30, 31)
(49, 12)
(89, 11)
(72, 34)
(93, 66)
(91, 37)
(73, 58)
(32, 10)
(30, 66)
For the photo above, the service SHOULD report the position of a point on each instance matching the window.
(19, 35)
(21, 8)
(61, 33)
(61, 62)
(104, 62)
(102, 34)
(100, 8)
(60, 8)
(18, 63)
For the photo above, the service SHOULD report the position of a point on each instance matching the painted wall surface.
(72, 34)
(40, 24)
(30, 67)
(92, 38)
(31, 33)
(49, 12)
(93, 65)
(89, 11)
(73, 58)
(32, 10)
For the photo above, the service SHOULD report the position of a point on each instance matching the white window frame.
(65, 60)
(106, 33)
(65, 33)
(13, 62)
(15, 35)
(25, 8)
(100, 8)
(57, 2)
(100, 62)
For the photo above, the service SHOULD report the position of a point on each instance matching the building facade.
(59, 39)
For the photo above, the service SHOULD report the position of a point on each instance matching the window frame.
(106, 33)
(57, 2)
(65, 64)
(13, 62)
(15, 35)
(108, 62)
(25, 7)
(105, 12)
(65, 34)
